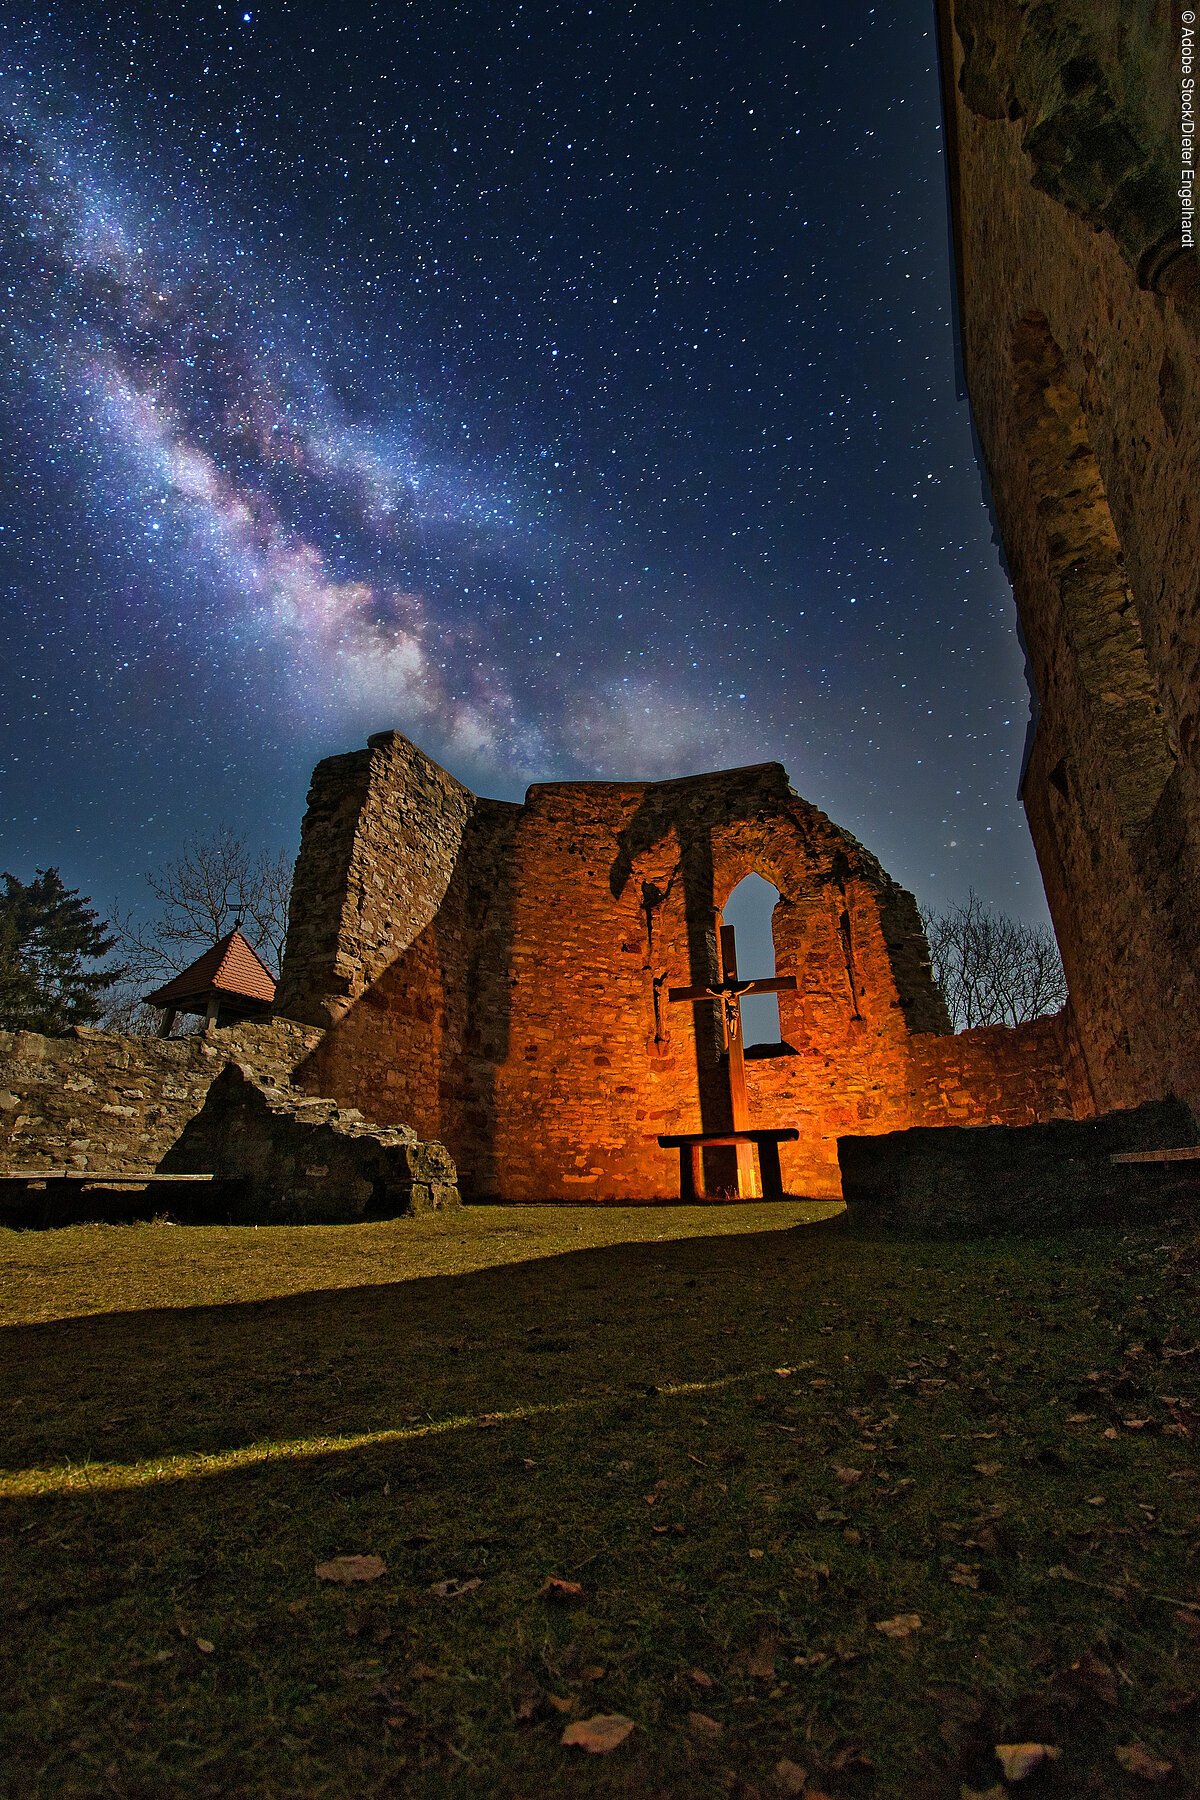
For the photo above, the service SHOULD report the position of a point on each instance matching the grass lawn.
(748, 1435)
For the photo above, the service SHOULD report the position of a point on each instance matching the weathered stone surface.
(496, 976)
(1079, 323)
(1033, 1179)
(1086, 85)
(286, 1157)
(350, 915)
(95, 1100)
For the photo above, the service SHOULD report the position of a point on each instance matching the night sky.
(570, 387)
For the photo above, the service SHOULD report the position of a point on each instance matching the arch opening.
(749, 909)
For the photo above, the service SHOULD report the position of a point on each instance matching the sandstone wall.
(1079, 325)
(350, 912)
(527, 1024)
(94, 1100)
(280, 1157)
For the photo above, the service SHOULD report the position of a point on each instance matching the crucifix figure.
(729, 993)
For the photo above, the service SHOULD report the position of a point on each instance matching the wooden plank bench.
(26, 1178)
(765, 1140)
(1187, 1153)
(18, 1185)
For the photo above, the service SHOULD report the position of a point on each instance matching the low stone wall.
(94, 1100)
(982, 1180)
(283, 1157)
(999, 1075)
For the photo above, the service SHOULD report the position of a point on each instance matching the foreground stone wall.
(526, 1024)
(95, 1100)
(1079, 331)
(1056, 1176)
(284, 1158)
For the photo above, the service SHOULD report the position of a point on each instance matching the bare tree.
(992, 969)
(203, 894)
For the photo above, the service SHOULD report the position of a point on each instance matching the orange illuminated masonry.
(505, 978)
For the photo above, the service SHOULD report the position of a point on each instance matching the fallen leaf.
(701, 1679)
(790, 1778)
(998, 1792)
(1094, 1674)
(593, 1672)
(761, 1661)
(703, 1726)
(565, 1592)
(452, 1589)
(964, 1575)
(783, 1373)
(1020, 1760)
(599, 1734)
(850, 1758)
(1095, 1500)
(348, 1569)
(902, 1626)
(756, 1555)
(1135, 1759)
(204, 1645)
(563, 1703)
(848, 1477)
(987, 1468)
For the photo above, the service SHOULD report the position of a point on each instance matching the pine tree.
(51, 939)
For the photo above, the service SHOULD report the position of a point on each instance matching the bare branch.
(992, 969)
(213, 886)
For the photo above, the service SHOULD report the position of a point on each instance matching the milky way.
(572, 390)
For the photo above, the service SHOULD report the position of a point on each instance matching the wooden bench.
(766, 1141)
(23, 1184)
(1188, 1153)
(26, 1178)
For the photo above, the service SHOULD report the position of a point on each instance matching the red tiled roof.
(230, 967)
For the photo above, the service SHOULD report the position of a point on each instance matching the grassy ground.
(747, 1437)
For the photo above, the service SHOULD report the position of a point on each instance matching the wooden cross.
(729, 992)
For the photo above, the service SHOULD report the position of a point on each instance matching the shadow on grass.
(124, 1386)
(747, 1451)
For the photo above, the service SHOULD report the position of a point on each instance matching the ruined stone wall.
(94, 1100)
(993, 1076)
(527, 1024)
(353, 910)
(1079, 336)
(283, 1157)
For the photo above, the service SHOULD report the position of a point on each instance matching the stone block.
(285, 1157)
(984, 1180)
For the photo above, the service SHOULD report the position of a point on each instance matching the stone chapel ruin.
(497, 976)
